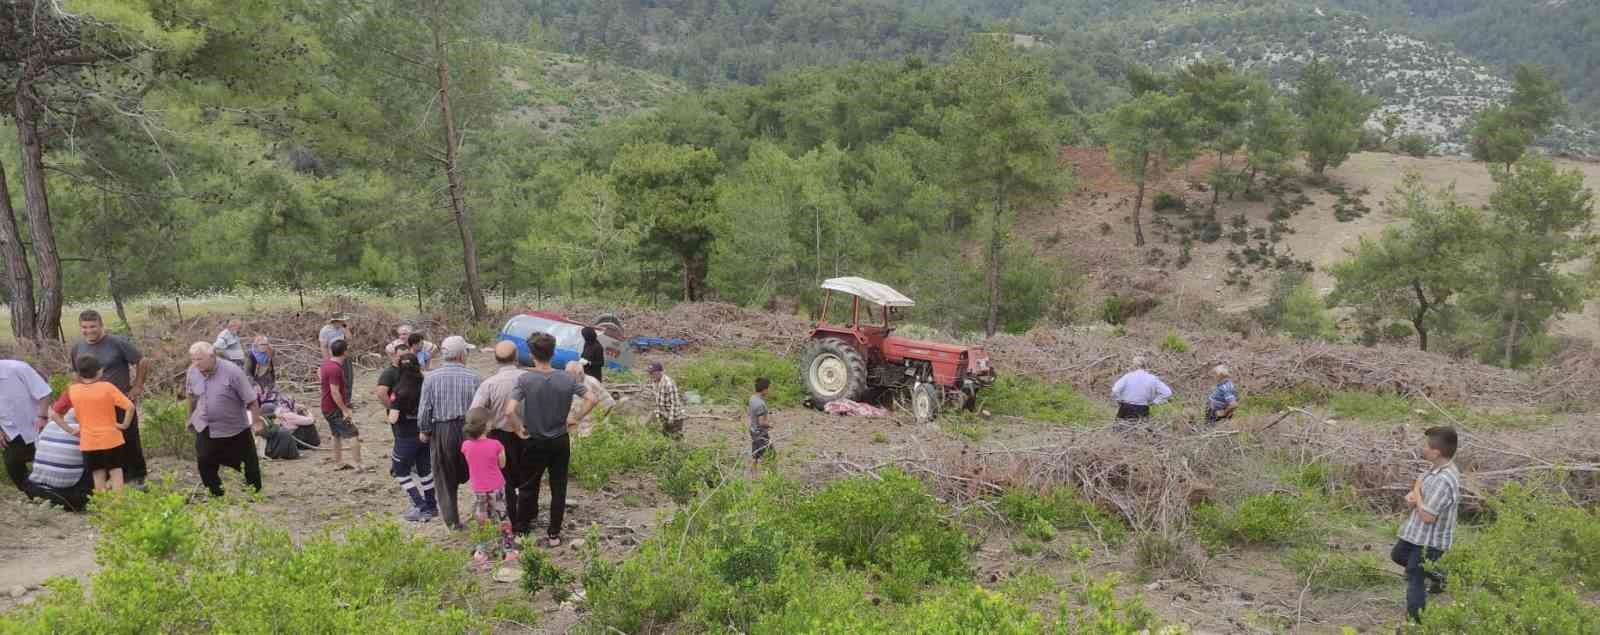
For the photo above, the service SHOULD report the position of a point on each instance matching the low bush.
(1028, 398)
(1174, 343)
(616, 448)
(1166, 202)
(1161, 555)
(1061, 508)
(1416, 145)
(164, 428)
(169, 566)
(729, 376)
(1372, 407)
(1326, 570)
(1525, 572)
(539, 573)
(1258, 519)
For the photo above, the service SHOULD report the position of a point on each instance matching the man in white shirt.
(24, 398)
(228, 345)
(1136, 391)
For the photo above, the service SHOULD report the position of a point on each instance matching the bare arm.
(502, 458)
(257, 424)
(588, 404)
(139, 371)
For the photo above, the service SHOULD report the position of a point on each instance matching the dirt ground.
(1242, 592)
(1073, 231)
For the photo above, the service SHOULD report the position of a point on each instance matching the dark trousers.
(1412, 557)
(512, 472)
(449, 468)
(1132, 411)
(237, 452)
(133, 467)
(540, 455)
(72, 499)
(17, 457)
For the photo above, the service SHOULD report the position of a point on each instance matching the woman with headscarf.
(260, 365)
(594, 354)
(411, 464)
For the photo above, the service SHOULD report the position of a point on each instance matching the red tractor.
(845, 361)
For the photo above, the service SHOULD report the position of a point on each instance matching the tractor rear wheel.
(834, 370)
(924, 402)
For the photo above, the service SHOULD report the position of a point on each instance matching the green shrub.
(1166, 202)
(1158, 554)
(1526, 571)
(861, 520)
(1258, 519)
(613, 449)
(1371, 407)
(539, 573)
(165, 428)
(1028, 398)
(684, 471)
(171, 567)
(1039, 529)
(1415, 145)
(1062, 508)
(1328, 570)
(1101, 613)
(1173, 343)
(728, 376)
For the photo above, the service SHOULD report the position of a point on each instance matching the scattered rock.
(578, 544)
(18, 591)
(1153, 586)
(1182, 595)
(507, 574)
(1247, 596)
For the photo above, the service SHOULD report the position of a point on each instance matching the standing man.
(338, 330)
(390, 375)
(1224, 398)
(1136, 391)
(1431, 528)
(492, 396)
(446, 396)
(336, 405)
(228, 344)
(669, 405)
(125, 367)
(220, 395)
(24, 409)
(760, 424)
(602, 397)
(543, 400)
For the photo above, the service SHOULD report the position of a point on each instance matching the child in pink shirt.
(485, 458)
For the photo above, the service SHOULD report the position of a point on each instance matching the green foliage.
(1496, 137)
(1257, 519)
(728, 376)
(1416, 145)
(1060, 508)
(668, 188)
(1525, 572)
(877, 523)
(1035, 400)
(167, 565)
(1326, 570)
(1158, 554)
(616, 448)
(1333, 113)
(1174, 343)
(1295, 308)
(684, 472)
(539, 573)
(1411, 273)
(1166, 202)
(1148, 135)
(1369, 407)
(165, 428)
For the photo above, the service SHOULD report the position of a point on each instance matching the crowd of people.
(504, 436)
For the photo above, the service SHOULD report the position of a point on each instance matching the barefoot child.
(760, 424)
(485, 458)
(99, 429)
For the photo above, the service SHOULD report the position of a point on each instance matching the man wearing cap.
(669, 405)
(220, 395)
(336, 330)
(446, 397)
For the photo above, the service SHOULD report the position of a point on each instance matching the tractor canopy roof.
(874, 292)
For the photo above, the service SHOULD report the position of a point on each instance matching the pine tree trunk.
(37, 207)
(19, 276)
(996, 234)
(116, 298)
(1418, 320)
(1511, 330)
(1138, 204)
(458, 203)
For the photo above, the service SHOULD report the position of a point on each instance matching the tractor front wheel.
(834, 370)
(924, 402)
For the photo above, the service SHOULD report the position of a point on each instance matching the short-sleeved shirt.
(483, 464)
(757, 410)
(21, 388)
(229, 347)
(1441, 496)
(221, 400)
(97, 405)
(1223, 395)
(446, 395)
(331, 374)
(117, 358)
(546, 399)
(495, 391)
(330, 334)
(593, 388)
(57, 462)
(388, 378)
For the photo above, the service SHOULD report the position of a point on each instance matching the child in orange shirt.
(99, 430)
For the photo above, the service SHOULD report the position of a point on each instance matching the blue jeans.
(1413, 557)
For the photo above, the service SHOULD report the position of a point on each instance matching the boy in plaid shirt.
(1431, 527)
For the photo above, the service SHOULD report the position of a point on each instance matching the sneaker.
(429, 513)
(414, 515)
(1435, 587)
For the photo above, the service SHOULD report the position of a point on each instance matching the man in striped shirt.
(1431, 528)
(58, 475)
(669, 404)
(446, 396)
